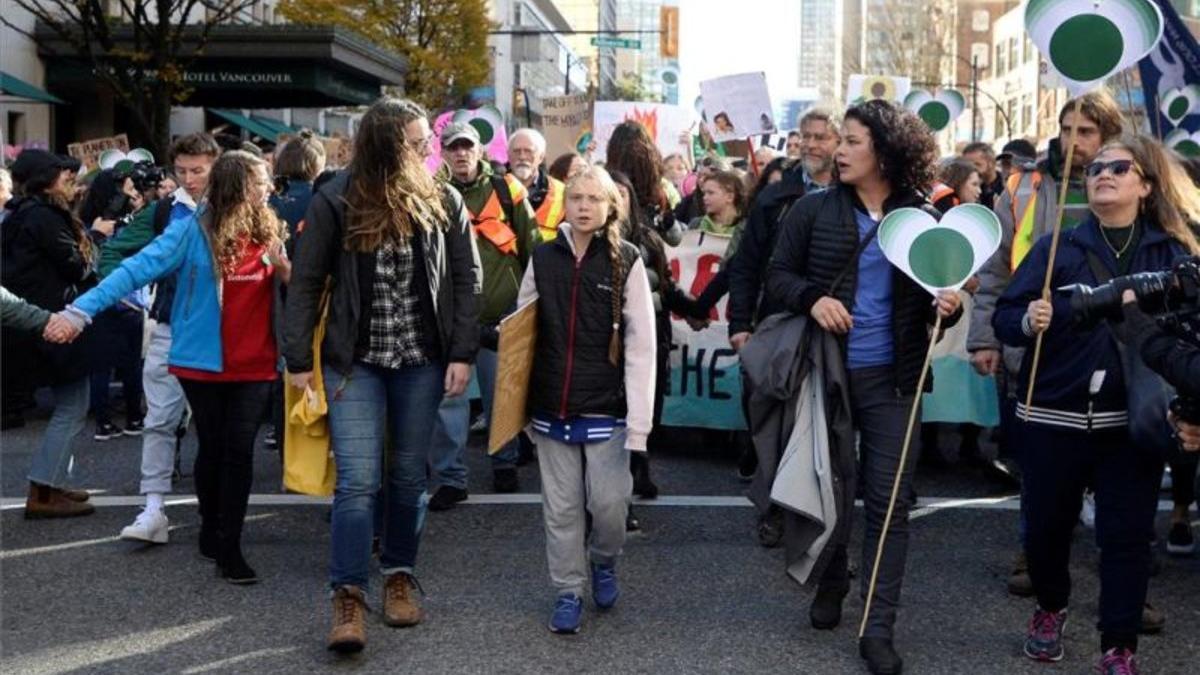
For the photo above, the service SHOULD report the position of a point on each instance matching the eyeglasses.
(421, 144)
(1118, 167)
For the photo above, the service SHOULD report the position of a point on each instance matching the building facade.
(531, 57)
(831, 47)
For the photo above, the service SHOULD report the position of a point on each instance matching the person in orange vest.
(506, 232)
(526, 155)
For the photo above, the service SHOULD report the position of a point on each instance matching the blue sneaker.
(604, 586)
(568, 609)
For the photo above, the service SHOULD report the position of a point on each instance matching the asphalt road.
(699, 594)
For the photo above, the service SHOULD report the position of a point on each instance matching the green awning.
(256, 128)
(278, 127)
(11, 86)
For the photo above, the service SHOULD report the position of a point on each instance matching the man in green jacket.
(506, 232)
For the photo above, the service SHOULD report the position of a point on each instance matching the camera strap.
(1103, 276)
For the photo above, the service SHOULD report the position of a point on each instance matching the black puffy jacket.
(43, 264)
(818, 241)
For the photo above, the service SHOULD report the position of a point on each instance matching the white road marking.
(55, 548)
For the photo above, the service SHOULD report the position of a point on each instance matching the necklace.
(1121, 252)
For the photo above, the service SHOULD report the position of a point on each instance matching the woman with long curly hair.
(395, 248)
(226, 259)
(828, 265)
(632, 152)
(48, 259)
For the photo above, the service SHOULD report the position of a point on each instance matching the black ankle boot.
(826, 609)
(880, 656)
(235, 570)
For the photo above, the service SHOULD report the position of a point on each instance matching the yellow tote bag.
(308, 466)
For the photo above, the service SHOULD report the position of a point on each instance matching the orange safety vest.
(1022, 194)
(491, 221)
(941, 191)
(551, 212)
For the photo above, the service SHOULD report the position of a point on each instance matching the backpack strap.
(504, 194)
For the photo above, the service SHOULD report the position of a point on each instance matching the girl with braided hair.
(592, 394)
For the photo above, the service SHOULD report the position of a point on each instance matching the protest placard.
(665, 123)
(565, 122)
(88, 152)
(868, 87)
(738, 106)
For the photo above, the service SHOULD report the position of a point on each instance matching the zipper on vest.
(562, 409)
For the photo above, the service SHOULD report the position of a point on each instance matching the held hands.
(986, 361)
(947, 303)
(697, 324)
(60, 330)
(104, 227)
(457, 377)
(738, 340)
(832, 315)
(277, 256)
(1038, 315)
(300, 380)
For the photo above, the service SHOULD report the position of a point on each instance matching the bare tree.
(138, 49)
(915, 39)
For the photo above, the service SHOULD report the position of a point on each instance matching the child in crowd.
(592, 394)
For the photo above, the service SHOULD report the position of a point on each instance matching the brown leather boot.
(400, 604)
(47, 502)
(349, 632)
(76, 495)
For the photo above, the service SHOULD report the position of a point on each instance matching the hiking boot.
(1019, 583)
(504, 481)
(880, 655)
(1153, 620)
(1044, 641)
(151, 525)
(1117, 661)
(446, 497)
(349, 632)
(826, 609)
(770, 528)
(134, 428)
(400, 604)
(1180, 541)
(47, 502)
(568, 611)
(106, 431)
(604, 586)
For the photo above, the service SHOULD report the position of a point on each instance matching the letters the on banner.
(706, 380)
(88, 152)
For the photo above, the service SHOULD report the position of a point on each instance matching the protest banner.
(706, 380)
(1170, 76)
(487, 120)
(517, 348)
(665, 123)
(566, 122)
(88, 152)
(738, 106)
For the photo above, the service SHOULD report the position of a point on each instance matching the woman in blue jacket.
(226, 258)
(1076, 429)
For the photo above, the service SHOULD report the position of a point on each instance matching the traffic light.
(668, 23)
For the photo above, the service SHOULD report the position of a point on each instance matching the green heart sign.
(1086, 41)
(940, 255)
(1178, 103)
(936, 111)
(1184, 143)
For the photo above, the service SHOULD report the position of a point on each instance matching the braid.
(613, 233)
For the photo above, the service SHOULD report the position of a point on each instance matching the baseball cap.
(33, 163)
(1020, 148)
(457, 131)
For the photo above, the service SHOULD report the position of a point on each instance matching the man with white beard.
(526, 155)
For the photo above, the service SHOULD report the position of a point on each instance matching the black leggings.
(227, 416)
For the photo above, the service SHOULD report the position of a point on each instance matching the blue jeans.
(454, 425)
(53, 462)
(360, 405)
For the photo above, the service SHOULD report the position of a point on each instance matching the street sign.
(616, 43)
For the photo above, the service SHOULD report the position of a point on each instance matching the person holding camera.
(1076, 431)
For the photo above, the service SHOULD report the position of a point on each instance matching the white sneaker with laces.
(1087, 514)
(151, 525)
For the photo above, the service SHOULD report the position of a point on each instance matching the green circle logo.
(1086, 47)
(1178, 107)
(1188, 148)
(935, 114)
(941, 257)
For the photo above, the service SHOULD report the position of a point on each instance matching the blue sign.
(1172, 65)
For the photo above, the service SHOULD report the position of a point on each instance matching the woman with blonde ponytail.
(592, 394)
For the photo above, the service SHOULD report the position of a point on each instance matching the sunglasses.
(1118, 167)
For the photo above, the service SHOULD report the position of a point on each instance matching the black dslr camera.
(144, 174)
(1171, 296)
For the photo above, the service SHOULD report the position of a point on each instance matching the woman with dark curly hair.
(828, 265)
(632, 152)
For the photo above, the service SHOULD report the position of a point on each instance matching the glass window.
(1000, 60)
(1014, 54)
(980, 20)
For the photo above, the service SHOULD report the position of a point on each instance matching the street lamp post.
(974, 97)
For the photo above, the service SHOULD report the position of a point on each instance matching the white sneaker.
(1087, 514)
(150, 525)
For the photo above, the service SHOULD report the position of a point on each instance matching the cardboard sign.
(869, 87)
(738, 106)
(88, 152)
(518, 345)
(566, 123)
